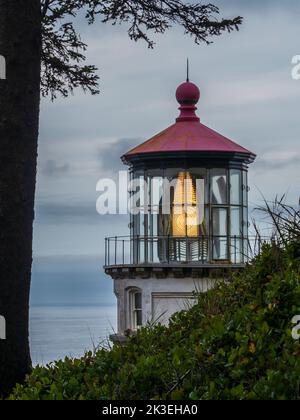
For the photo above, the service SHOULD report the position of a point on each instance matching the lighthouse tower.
(190, 224)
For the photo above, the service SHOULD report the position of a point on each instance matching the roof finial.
(187, 70)
(188, 95)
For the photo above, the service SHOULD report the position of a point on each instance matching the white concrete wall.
(161, 297)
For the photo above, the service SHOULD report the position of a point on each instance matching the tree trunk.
(20, 44)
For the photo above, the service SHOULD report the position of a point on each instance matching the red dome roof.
(188, 137)
(188, 134)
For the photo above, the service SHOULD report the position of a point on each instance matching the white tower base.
(159, 298)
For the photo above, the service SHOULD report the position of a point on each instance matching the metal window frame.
(147, 174)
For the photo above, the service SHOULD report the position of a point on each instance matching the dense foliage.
(235, 343)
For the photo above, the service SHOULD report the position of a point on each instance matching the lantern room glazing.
(208, 224)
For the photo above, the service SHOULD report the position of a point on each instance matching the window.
(235, 187)
(219, 221)
(220, 249)
(189, 214)
(236, 250)
(236, 221)
(135, 309)
(245, 188)
(219, 186)
(219, 229)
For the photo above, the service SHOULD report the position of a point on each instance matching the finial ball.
(188, 94)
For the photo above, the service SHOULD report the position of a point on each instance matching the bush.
(234, 344)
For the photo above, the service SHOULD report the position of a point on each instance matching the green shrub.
(234, 344)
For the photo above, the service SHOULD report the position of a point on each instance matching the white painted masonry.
(161, 297)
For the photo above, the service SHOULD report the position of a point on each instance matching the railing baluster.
(123, 251)
(235, 245)
(186, 250)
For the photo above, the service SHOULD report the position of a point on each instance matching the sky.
(247, 94)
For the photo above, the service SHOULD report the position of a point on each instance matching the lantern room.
(188, 212)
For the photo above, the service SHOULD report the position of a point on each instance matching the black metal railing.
(170, 250)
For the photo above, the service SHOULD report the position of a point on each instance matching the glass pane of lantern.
(155, 251)
(197, 250)
(220, 249)
(162, 251)
(201, 202)
(219, 193)
(149, 224)
(136, 191)
(245, 188)
(246, 250)
(245, 221)
(135, 224)
(219, 222)
(204, 223)
(201, 175)
(185, 212)
(141, 250)
(178, 208)
(236, 221)
(148, 249)
(171, 177)
(143, 195)
(142, 224)
(154, 224)
(179, 249)
(236, 250)
(236, 187)
(156, 188)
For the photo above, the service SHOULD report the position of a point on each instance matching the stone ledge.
(176, 271)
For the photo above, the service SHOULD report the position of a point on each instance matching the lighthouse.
(189, 188)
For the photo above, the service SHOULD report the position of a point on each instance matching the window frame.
(153, 224)
(133, 310)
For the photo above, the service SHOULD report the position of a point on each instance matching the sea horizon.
(58, 331)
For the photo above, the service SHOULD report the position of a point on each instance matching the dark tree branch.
(64, 58)
(45, 6)
(198, 20)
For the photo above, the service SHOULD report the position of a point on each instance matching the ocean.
(60, 331)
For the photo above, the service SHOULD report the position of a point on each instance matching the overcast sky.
(248, 95)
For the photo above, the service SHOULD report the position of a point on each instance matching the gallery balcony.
(178, 255)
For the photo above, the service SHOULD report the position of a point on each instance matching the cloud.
(278, 161)
(52, 168)
(72, 213)
(256, 6)
(110, 154)
(61, 213)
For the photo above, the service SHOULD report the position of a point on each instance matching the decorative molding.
(171, 295)
(177, 271)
